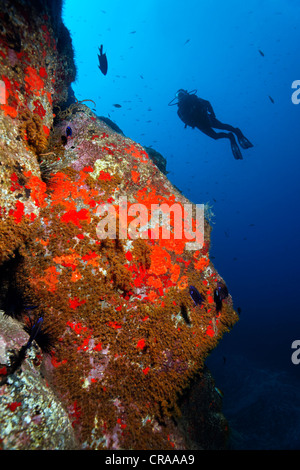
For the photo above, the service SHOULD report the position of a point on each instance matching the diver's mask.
(180, 94)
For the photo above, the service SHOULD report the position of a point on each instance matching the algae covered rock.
(110, 280)
(31, 417)
(36, 68)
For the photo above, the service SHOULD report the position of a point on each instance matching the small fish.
(196, 296)
(271, 99)
(64, 139)
(261, 53)
(184, 314)
(132, 32)
(220, 293)
(68, 131)
(222, 288)
(116, 105)
(102, 61)
(239, 310)
(188, 40)
(217, 300)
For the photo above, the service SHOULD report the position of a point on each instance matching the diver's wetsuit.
(196, 112)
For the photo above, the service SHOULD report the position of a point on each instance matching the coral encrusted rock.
(121, 339)
(31, 417)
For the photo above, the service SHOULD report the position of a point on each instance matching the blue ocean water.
(155, 47)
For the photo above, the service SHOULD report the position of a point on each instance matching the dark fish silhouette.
(261, 53)
(271, 99)
(68, 131)
(188, 40)
(196, 296)
(220, 293)
(117, 105)
(239, 310)
(64, 140)
(184, 314)
(102, 61)
(217, 300)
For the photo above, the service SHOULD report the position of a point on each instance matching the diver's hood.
(180, 94)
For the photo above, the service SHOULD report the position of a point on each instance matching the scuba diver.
(196, 112)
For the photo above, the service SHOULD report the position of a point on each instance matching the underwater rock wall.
(122, 344)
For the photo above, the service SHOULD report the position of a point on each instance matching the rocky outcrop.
(121, 339)
(31, 417)
(158, 159)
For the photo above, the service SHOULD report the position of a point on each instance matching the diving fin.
(243, 141)
(235, 150)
